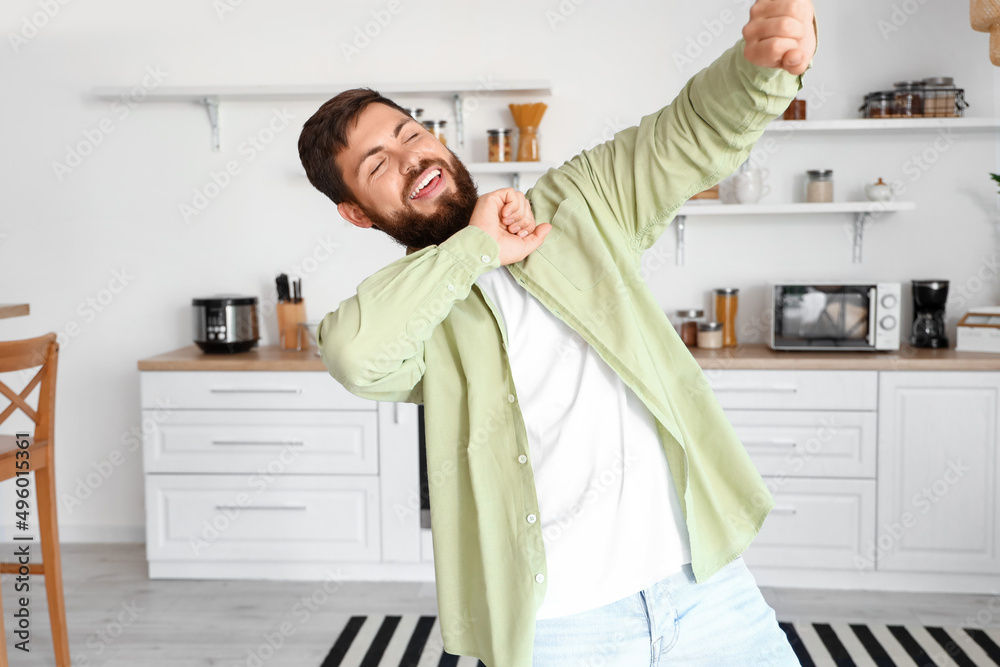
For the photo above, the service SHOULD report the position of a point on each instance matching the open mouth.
(430, 183)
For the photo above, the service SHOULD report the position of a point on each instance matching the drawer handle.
(259, 442)
(783, 510)
(769, 443)
(783, 390)
(241, 390)
(260, 507)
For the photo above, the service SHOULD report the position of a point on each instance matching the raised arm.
(646, 172)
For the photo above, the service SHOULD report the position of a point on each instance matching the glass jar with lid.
(880, 104)
(414, 112)
(689, 325)
(726, 302)
(710, 335)
(819, 187)
(436, 127)
(499, 144)
(909, 98)
(939, 97)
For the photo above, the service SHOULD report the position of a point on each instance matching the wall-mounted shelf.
(862, 210)
(515, 169)
(211, 96)
(867, 124)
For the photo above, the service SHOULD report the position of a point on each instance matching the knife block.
(290, 314)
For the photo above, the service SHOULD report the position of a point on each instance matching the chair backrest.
(19, 355)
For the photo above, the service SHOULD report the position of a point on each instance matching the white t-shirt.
(609, 511)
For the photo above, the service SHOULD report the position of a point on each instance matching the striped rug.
(415, 641)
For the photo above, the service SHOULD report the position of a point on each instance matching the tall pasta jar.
(726, 302)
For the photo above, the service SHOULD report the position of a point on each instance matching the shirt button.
(539, 577)
(451, 288)
(522, 458)
(531, 518)
(510, 398)
(486, 259)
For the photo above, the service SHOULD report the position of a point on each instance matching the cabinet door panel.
(816, 523)
(794, 390)
(808, 443)
(938, 472)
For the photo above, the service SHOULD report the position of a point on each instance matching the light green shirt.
(421, 331)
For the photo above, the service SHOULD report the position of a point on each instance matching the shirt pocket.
(574, 246)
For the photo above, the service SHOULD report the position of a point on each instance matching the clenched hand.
(780, 33)
(506, 216)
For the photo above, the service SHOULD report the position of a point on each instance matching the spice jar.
(499, 142)
(819, 188)
(939, 97)
(726, 301)
(414, 112)
(879, 105)
(710, 335)
(909, 101)
(796, 110)
(689, 325)
(436, 127)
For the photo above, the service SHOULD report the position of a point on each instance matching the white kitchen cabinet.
(816, 523)
(278, 475)
(939, 472)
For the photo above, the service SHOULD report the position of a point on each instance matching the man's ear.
(354, 215)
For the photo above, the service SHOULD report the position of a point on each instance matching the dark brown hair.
(324, 137)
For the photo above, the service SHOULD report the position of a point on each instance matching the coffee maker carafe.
(929, 297)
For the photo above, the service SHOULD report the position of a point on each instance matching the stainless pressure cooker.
(225, 323)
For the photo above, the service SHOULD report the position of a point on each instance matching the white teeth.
(423, 183)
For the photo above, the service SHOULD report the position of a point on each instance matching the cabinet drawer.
(808, 443)
(256, 517)
(795, 390)
(278, 442)
(817, 523)
(247, 390)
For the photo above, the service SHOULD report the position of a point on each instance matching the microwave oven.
(827, 316)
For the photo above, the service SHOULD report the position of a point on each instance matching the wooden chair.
(22, 355)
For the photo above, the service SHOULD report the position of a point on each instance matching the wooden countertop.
(261, 358)
(749, 356)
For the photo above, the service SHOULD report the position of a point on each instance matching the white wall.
(63, 240)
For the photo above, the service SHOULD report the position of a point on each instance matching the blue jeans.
(722, 621)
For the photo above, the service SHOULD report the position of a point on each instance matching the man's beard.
(415, 230)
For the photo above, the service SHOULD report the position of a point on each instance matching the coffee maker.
(929, 297)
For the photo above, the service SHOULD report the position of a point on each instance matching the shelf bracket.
(212, 106)
(515, 181)
(860, 219)
(679, 224)
(459, 121)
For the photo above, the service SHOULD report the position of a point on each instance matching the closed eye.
(377, 166)
(411, 138)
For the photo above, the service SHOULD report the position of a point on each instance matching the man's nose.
(409, 160)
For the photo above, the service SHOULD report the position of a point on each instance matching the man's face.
(388, 157)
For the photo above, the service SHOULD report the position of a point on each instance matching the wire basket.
(915, 102)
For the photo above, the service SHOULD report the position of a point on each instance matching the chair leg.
(45, 490)
(3, 636)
